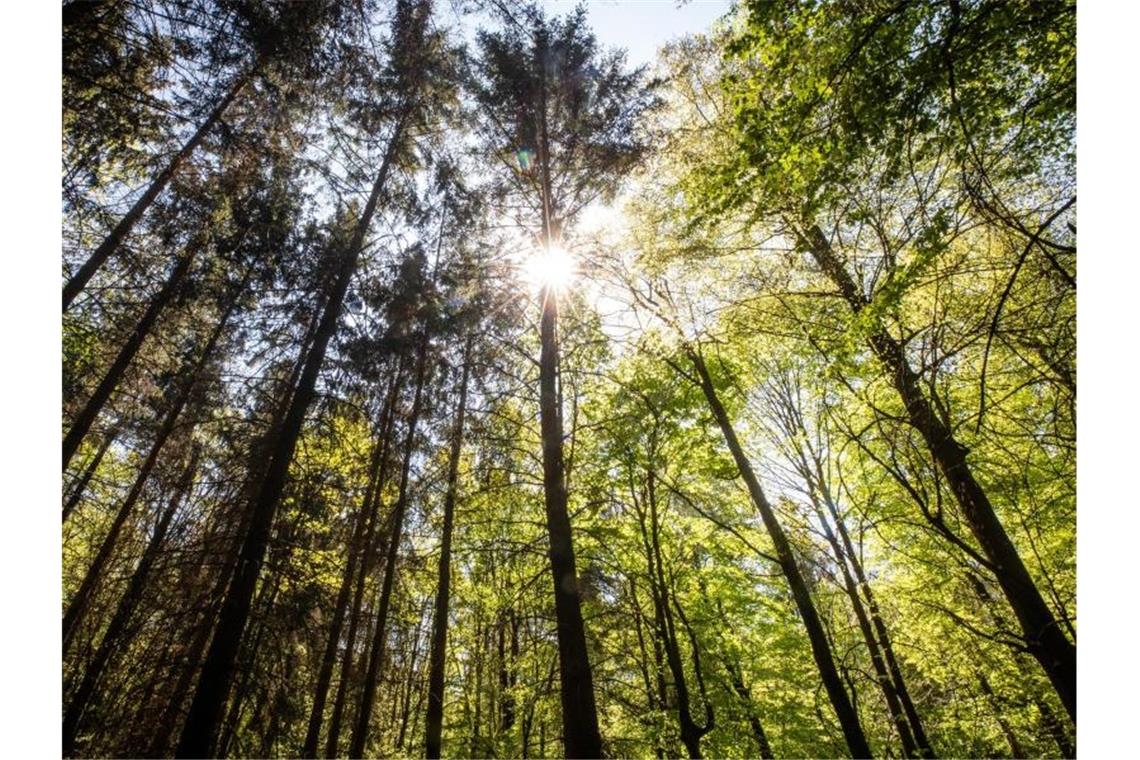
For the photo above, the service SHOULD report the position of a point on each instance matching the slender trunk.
(1056, 730)
(332, 742)
(127, 604)
(278, 706)
(643, 662)
(821, 649)
(579, 713)
(477, 721)
(102, 393)
(510, 702)
(662, 688)
(328, 660)
(878, 662)
(434, 719)
(160, 742)
(409, 686)
(376, 656)
(115, 238)
(508, 655)
(1044, 638)
(200, 731)
(691, 733)
(143, 719)
(925, 748)
(269, 740)
(230, 725)
(88, 472)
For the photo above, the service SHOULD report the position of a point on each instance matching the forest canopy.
(439, 381)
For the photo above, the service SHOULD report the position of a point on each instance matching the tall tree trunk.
(437, 664)
(1044, 638)
(579, 712)
(229, 728)
(409, 685)
(332, 741)
(691, 732)
(160, 741)
(115, 238)
(651, 700)
(89, 471)
(926, 749)
(126, 608)
(280, 699)
(356, 548)
(90, 411)
(201, 728)
(878, 662)
(508, 657)
(821, 649)
(376, 656)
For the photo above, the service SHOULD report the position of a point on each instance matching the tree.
(548, 95)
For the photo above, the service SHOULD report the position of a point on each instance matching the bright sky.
(641, 26)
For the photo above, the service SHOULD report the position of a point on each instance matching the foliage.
(805, 185)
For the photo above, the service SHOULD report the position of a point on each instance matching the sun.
(551, 267)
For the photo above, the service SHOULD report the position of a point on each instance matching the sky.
(641, 26)
(638, 26)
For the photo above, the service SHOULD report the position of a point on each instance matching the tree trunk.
(127, 604)
(1056, 730)
(924, 746)
(160, 741)
(376, 656)
(231, 724)
(821, 649)
(878, 663)
(579, 712)
(356, 548)
(332, 742)
(651, 702)
(200, 731)
(1043, 636)
(114, 375)
(691, 733)
(113, 240)
(434, 719)
(508, 632)
(410, 685)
